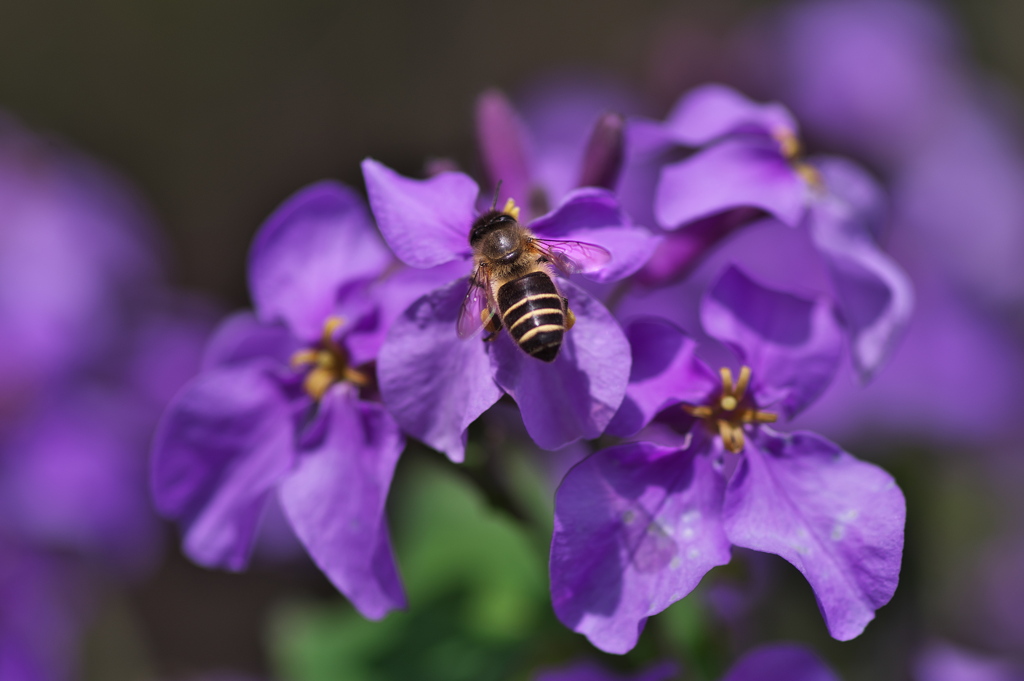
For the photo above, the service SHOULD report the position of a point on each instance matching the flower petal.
(665, 371)
(780, 662)
(433, 383)
(223, 443)
(604, 153)
(335, 500)
(684, 250)
(792, 345)
(575, 396)
(242, 338)
(874, 294)
(836, 519)
(318, 241)
(734, 174)
(504, 146)
(636, 528)
(425, 222)
(593, 215)
(712, 111)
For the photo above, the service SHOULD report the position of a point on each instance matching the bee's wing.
(476, 301)
(572, 257)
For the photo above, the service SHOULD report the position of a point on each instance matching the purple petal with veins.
(738, 173)
(336, 495)
(665, 371)
(873, 293)
(636, 528)
(792, 345)
(318, 241)
(836, 519)
(223, 444)
(713, 111)
(425, 222)
(433, 383)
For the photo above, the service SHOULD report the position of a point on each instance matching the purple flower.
(75, 246)
(944, 662)
(780, 662)
(39, 615)
(889, 81)
(435, 384)
(93, 348)
(286, 405)
(773, 662)
(751, 164)
(570, 144)
(637, 526)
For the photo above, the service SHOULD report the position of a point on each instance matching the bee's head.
(488, 223)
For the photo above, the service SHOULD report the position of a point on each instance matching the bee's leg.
(570, 318)
(492, 323)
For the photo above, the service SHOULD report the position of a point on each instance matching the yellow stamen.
(331, 325)
(743, 382)
(700, 411)
(357, 378)
(789, 143)
(327, 363)
(317, 382)
(732, 410)
(809, 174)
(303, 358)
(726, 375)
(511, 209)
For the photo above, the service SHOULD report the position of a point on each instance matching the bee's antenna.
(497, 189)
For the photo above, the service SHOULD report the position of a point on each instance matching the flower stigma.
(327, 363)
(793, 151)
(732, 410)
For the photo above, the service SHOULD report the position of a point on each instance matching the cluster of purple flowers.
(94, 345)
(353, 345)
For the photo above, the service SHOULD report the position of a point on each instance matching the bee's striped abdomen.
(531, 309)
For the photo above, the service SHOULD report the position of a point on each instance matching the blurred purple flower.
(40, 601)
(637, 526)
(75, 245)
(574, 144)
(750, 164)
(772, 662)
(84, 317)
(889, 81)
(286, 405)
(436, 385)
(944, 662)
(780, 662)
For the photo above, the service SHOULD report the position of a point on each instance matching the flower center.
(326, 363)
(792, 150)
(732, 410)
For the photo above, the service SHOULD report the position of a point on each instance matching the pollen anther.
(327, 363)
(733, 410)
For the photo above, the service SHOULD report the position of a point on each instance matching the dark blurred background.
(219, 109)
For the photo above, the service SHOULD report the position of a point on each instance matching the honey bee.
(512, 284)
